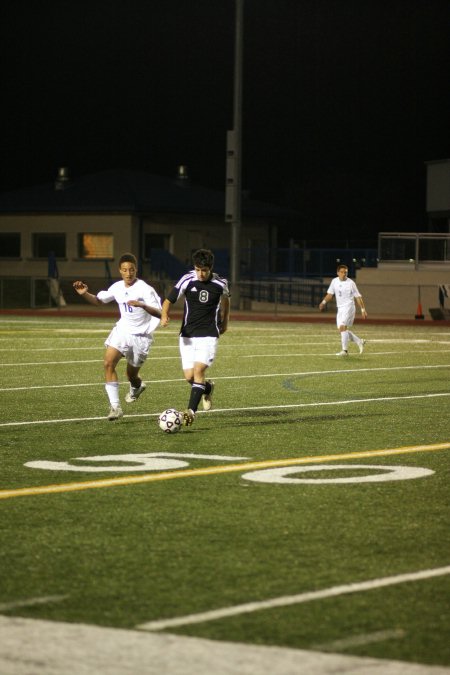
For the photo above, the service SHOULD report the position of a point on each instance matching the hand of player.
(80, 287)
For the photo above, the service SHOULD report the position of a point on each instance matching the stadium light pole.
(233, 161)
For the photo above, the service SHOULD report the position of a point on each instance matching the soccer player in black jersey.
(205, 317)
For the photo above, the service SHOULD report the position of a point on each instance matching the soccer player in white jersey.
(345, 291)
(205, 317)
(132, 336)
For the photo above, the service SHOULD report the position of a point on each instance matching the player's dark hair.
(203, 258)
(128, 257)
(342, 267)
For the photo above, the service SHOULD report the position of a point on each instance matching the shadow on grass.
(269, 418)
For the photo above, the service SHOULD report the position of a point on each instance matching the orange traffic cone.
(419, 314)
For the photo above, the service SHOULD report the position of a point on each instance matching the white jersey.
(344, 292)
(134, 320)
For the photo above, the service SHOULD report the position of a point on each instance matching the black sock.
(197, 391)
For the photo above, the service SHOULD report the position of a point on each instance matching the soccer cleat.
(343, 352)
(188, 417)
(361, 346)
(115, 413)
(206, 398)
(134, 394)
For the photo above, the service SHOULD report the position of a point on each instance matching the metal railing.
(24, 292)
(414, 248)
(303, 262)
(298, 292)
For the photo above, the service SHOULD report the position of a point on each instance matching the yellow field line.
(215, 470)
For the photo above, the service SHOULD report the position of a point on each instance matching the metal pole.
(234, 146)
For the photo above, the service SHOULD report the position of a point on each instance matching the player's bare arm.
(360, 302)
(153, 311)
(225, 314)
(326, 299)
(165, 312)
(83, 290)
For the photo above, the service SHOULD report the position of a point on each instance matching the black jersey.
(201, 315)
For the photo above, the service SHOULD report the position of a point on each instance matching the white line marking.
(358, 640)
(49, 363)
(279, 356)
(78, 361)
(224, 357)
(305, 373)
(61, 345)
(287, 600)
(326, 403)
(280, 475)
(96, 348)
(246, 409)
(86, 384)
(29, 602)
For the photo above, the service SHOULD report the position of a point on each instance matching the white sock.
(112, 389)
(345, 340)
(353, 337)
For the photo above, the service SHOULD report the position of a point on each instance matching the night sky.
(343, 100)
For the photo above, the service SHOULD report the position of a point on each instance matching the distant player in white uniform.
(132, 336)
(345, 291)
(205, 318)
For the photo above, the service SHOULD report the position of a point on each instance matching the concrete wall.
(187, 232)
(392, 290)
(72, 266)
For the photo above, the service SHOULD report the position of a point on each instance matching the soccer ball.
(170, 421)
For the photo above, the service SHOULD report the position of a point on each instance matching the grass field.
(311, 473)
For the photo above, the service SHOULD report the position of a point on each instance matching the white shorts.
(345, 315)
(197, 350)
(135, 348)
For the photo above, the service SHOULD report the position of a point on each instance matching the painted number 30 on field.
(291, 475)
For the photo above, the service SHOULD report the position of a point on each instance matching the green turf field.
(311, 473)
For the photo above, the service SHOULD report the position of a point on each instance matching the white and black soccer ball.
(170, 421)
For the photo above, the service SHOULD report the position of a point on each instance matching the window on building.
(10, 245)
(96, 246)
(50, 242)
(155, 241)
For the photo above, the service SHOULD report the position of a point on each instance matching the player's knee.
(109, 364)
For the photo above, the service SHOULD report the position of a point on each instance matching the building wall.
(390, 290)
(190, 232)
(72, 225)
(185, 232)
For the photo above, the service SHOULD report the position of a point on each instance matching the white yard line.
(288, 600)
(304, 373)
(79, 362)
(359, 640)
(30, 602)
(244, 409)
(276, 355)
(61, 346)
